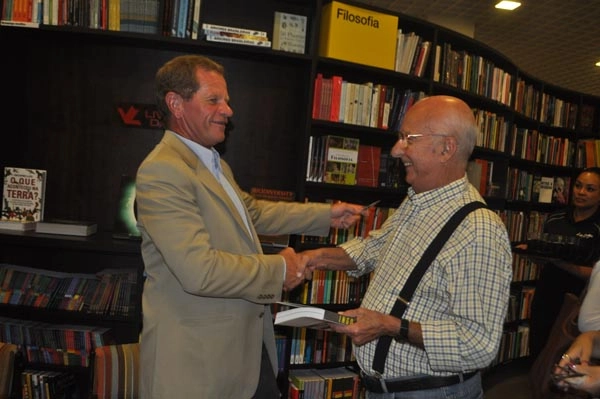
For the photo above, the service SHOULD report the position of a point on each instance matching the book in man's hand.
(309, 317)
(67, 227)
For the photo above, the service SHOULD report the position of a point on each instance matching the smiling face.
(202, 118)
(435, 142)
(586, 192)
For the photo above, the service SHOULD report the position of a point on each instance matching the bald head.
(448, 115)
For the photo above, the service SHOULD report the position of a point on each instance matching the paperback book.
(67, 227)
(289, 32)
(16, 225)
(224, 37)
(23, 194)
(340, 160)
(309, 317)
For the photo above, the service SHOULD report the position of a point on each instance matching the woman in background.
(581, 220)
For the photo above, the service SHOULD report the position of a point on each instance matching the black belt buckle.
(373, 384)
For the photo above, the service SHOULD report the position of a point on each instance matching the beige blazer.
(208, 284)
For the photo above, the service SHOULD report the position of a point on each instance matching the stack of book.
(235, 35)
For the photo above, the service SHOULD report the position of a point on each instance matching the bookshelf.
(67, 82)
(41, 254)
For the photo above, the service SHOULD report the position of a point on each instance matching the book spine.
(21, 24)
(235, 40)
(233, 29)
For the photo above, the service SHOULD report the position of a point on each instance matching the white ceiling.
(556, 41)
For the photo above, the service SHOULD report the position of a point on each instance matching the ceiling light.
(508, 5)
(598, 64)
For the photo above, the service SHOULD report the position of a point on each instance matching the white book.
(67, 227)
(436, 63)
(21, 24)
(234, 29)
(17, 226)
(399, 46)
(237, 40)
(309, 317)
(196, 19)
(289, 32)
(546, 189)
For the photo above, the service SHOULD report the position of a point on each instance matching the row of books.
(523, 185)
(524, 269)
(339, 383)
(472, 73)
(492, 130)
(412, 53)
(48, 384)
(588, 153)
(319, 346)
(480, 173)
(374, 220)
(343, 160)
(518, 184)
(519, 305)
(110, 292)
(557, 112)
(333, 287)
(140, 16)
(330, 288)
(54, 343)
(513, 345)
(522, 226)
(172, 18)
(527, 99)
(365, 104)
(532, 145)
(477, 75)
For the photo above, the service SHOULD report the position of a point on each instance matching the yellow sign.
(358, 35)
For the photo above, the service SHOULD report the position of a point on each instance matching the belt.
(378, 385)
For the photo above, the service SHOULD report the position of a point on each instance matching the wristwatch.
(402, 335)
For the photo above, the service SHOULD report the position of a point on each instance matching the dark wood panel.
(63, 117)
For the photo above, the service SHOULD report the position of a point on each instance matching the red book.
(336, 96)
(317, 96)
(367, 170)
(325, 108)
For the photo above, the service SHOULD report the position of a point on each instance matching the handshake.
(298, 267)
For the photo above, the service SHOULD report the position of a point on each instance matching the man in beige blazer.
(205, 301)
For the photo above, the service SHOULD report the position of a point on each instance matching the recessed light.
(598, 64)
(508, 5)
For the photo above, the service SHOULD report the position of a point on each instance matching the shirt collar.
(438, 195)
(209, 156)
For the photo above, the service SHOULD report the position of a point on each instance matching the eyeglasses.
(410, 138)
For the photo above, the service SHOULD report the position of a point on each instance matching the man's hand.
(345, 215)
(295, 265)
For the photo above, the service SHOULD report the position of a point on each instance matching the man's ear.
(174, 102)
(449, 148)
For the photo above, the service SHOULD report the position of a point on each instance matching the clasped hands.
(300, 266)
(343, 215)
(574, 370)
